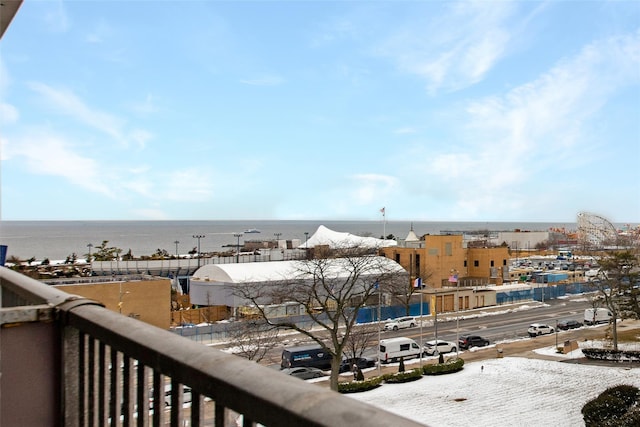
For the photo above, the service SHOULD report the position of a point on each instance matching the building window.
(398, 258)
(476, 263)
(492, 263)
(418, 263)
(447, 249)
(504, 262)
(465, 263)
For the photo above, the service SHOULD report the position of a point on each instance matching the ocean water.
(58, 239)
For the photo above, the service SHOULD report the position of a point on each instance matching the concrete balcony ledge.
(107, 365)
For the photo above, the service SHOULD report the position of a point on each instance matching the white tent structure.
(336, 239)
(216, 284)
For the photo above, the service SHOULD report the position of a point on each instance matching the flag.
(453, 278)
(376, 285)
(382, 211)
(417, 283)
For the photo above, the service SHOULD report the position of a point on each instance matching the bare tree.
(254, 339)
(332, 288)
(360, 339)
(617, 276)
(402, 290)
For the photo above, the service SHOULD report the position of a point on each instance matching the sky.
(293, 110)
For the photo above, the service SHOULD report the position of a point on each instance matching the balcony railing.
(67, 361)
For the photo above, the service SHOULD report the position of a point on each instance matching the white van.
(598, 315)
(392, 349)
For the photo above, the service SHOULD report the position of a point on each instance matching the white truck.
(594, 316)
(392, 349)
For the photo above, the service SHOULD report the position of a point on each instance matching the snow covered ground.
(503, 392)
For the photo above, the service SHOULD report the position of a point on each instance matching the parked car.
(467, 341)
(537, 329)
(304, 372)
(569, 324)
(400, 323)
(430, 348)
(360, 362)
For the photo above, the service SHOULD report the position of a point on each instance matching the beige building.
(436, 258)
(452, 271)
(146, 299)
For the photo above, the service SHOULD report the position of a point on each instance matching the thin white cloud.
(56, 18)
(45, 153)
(8, 114)
(140, 137)
(371, 188)
(535, 128)
(456, 49)
(99, 33)
(188, 185)
(67, 103)
(147, 106)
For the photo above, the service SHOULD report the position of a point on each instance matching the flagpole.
(379, 303)
(421, 330)
(454, 278)
(384, 222)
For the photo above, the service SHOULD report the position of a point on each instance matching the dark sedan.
(360, 362)
(467, 341)
(569, 324)
(304, 372)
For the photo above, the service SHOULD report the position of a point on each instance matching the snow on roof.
(412, 237)
(254, 272)
(336, 239)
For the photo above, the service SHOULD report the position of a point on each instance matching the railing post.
(70, 384)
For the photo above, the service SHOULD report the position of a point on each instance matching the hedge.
(610, 354)
(403, 377)
(616, 406)
(448, 367)
(358, 386)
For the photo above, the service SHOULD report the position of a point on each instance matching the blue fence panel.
(513, 296)
(370, 313)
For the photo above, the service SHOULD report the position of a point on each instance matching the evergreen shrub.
(403, 377)
(448, 367)
(359, 386)
(616, 406)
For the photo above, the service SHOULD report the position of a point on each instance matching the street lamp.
(418, 284)
(453, 278)
(238, 235)
(176, 242)
(90, 245)
(198, 236)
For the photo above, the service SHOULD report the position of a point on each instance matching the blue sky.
(470, 111)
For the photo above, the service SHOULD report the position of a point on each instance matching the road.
(497, 324)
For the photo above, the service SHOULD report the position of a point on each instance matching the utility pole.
(198, 236)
